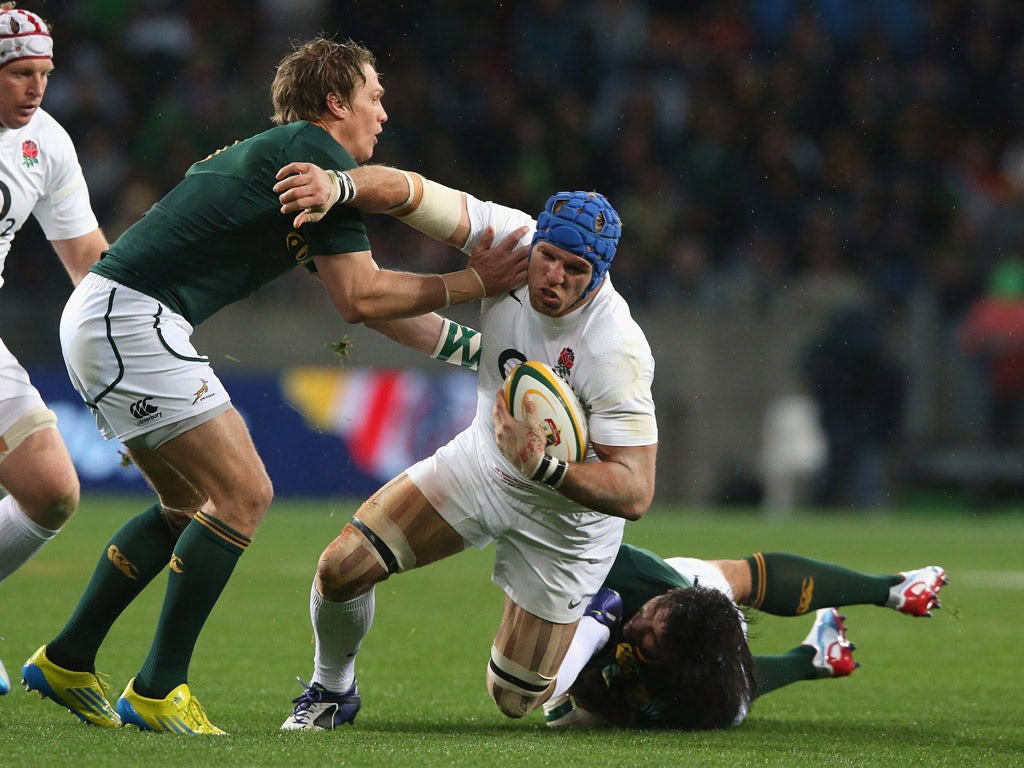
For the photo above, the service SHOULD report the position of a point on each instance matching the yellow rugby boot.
(81, 692)
(178, 712)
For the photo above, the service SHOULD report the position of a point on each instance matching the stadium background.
(839, 177)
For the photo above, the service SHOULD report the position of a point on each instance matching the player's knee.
(53, 503)
(247, 505)
(515, 689)
(59, 509)
(347, 567)
(261, 493)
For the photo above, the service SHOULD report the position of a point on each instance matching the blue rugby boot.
(317, 709)
(833, 652)
(5, 680)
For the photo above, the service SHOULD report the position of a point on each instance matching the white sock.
(591, 636)
(20, 538)
(339, 629)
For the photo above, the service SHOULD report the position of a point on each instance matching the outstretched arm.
(432, 208)
(309, 192)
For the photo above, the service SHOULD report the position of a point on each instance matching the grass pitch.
(931, 692)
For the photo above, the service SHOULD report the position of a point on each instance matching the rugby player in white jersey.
(556, 527)
(39, 176)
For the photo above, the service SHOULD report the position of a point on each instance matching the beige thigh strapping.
(35, 420)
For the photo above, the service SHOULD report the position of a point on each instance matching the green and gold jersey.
(219, 235)
(639, 575)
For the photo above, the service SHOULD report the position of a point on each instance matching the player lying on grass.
(663, 643)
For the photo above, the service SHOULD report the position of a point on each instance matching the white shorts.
(704, 574)
(548, 560)
(17, 395)
(701, 573)
(130, 357)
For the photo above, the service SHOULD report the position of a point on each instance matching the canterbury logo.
(177, 564)
(140, 409)
(806, 593)
(122, 563)
(200, 392)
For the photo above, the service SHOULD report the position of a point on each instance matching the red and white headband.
(23, 35)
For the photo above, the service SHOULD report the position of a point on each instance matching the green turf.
(931, 692)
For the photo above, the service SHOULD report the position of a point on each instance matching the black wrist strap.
(348, 187)
(550, 471)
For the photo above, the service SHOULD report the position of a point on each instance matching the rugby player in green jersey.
(663, 643)
(218, 237)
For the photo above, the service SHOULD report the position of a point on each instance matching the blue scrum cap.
(583, 223)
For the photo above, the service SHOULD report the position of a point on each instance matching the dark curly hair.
(709, 677)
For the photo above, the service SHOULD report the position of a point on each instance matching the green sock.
(132, 557)
(776, 671)
(790, 585)
(202, 563)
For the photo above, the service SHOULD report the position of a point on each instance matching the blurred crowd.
(875, 145)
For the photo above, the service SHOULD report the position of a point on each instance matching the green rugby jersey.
(219, 235)
(639, 575)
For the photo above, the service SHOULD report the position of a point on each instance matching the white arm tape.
(438, 211)
(458, 345)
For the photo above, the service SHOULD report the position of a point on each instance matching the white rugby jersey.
(40, 175)
(599, 349)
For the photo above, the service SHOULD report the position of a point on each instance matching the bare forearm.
(418, 333)
(80, 253)
(379, 188)
(434, 209)
(611, 487)
(389, 295)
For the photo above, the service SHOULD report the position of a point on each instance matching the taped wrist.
(550, 471)
(462, 286)
(458, 345)
(343, 188)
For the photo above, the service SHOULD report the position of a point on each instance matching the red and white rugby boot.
(918, 593)
(833, 653)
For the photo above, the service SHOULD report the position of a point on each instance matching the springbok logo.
(200, 392)
(177, 564)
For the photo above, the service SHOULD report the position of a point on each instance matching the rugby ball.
(558, 408)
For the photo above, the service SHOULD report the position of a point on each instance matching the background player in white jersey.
(39, 176)
(556, 527)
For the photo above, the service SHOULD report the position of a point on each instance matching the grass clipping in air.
(340, 349)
